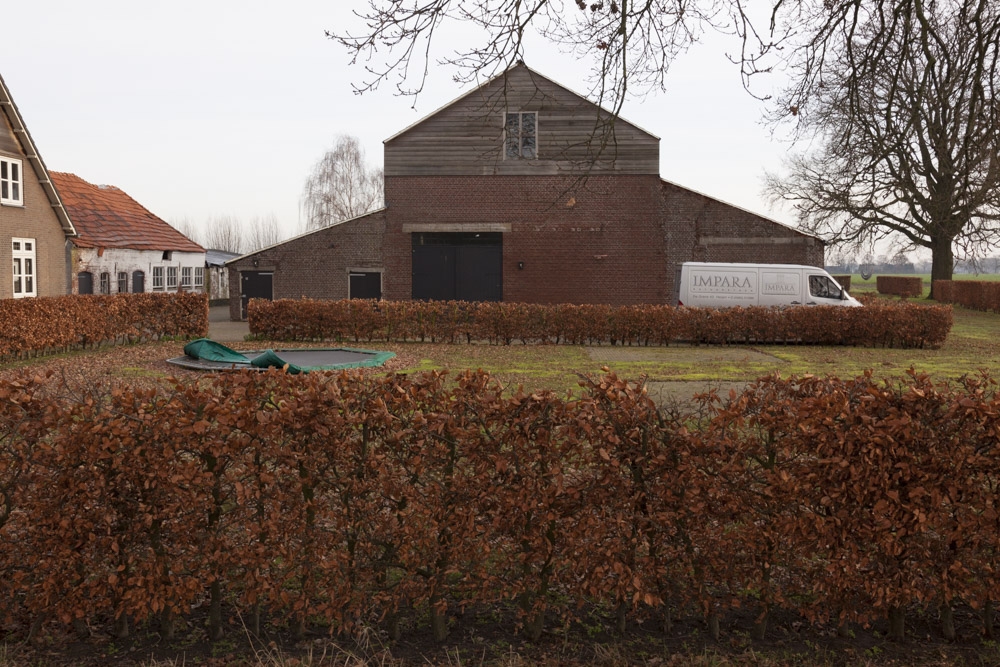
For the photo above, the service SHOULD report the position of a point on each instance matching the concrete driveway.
(221, 329)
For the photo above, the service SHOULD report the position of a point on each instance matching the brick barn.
(520, 190)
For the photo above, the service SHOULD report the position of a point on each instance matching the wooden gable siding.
(8, 144)
(466, 138)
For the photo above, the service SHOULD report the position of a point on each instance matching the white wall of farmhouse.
(115, 261)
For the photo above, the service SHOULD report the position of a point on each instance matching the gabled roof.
(9, 109)
(745, 210)
(215, 257)
(303, 235)
(502, 75)
(106, 217)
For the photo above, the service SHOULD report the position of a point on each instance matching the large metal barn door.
(466, 266)
(254, 285)
(479, 273)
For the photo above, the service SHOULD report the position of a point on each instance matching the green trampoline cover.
(207, 349)
(271, 359)
(304, 360)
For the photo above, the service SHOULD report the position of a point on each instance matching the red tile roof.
(106, 217)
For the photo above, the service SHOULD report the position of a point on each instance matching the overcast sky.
(202, 109)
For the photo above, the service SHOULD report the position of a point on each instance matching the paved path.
(221, 329)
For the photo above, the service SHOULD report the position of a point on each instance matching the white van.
(717, 285)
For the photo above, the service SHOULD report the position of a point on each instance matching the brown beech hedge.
(844, 281)
(336, 501)
(47, 323)
(877, 324)
(900, 285)
(975, 294)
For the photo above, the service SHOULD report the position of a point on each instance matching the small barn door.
(85, 282)
(138, 282)
(365, 285)
(254, 285)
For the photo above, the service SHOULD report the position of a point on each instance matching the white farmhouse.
(122, 247)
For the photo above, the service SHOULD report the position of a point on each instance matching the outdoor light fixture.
(520, 266)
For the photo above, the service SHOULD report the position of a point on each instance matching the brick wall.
(35, 220)
(617, 239)
(613, 239)
(597, 241)
(699, 228)
(314, 265)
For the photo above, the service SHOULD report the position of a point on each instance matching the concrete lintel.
(456, 227)
(756, 240)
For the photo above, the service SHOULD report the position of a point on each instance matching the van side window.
(823, 287)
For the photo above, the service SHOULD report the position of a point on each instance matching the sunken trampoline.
(207, 355)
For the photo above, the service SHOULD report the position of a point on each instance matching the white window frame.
(104, 282)
(157, 278)
(7, 168)
(171, 277)
(186, 277)
(520, 135)
(21, 257)
(199, 276)
(120, 274)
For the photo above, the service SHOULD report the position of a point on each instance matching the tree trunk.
(988, 619)
(439, 620)
(395, 629)
(121, 626)
(713, 625)
(897, 624)
(215, 611)
(942, 261)
(668, 617)
(760, 626)
(81, 628)
(947, 622)
(167, 626)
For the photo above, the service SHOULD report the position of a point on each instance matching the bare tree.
(629, 45)
(910, 149)
(186, 227)
(263, 232)
(341, 186)
(225, 233)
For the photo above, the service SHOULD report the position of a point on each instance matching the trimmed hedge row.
(46, 323)
(975, 294)
(844, 281)
(347, 501)
(878, 324)
(900, 285)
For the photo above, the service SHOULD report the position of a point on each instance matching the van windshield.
(823, 287)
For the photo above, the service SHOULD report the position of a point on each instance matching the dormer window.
(10, 182)
(520, 135)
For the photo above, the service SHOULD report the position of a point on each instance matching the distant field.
(859, 283)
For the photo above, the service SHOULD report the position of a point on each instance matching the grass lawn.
(860, 284)
(972, 344)
(676, 371)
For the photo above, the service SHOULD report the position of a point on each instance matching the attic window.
(11, 184)
(166, 255)
(520, 140)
